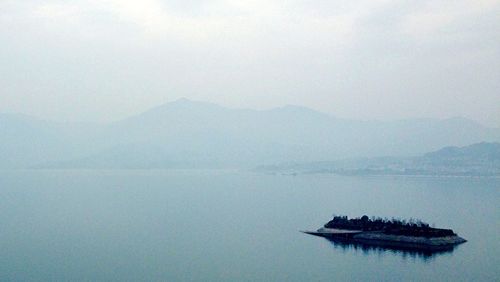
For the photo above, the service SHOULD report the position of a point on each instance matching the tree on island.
(412, 227)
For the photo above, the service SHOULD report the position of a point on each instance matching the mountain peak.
(181, 100)
(182, 105)
(185, 103)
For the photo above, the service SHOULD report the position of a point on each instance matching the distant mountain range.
(189, 134)
(480, 159)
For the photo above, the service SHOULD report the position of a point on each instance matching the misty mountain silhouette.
(187, 133)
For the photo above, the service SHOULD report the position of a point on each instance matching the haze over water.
(119, 120)
(221, 225)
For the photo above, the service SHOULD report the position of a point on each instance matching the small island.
(394, 233)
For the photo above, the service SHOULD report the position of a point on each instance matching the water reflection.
(405, 252)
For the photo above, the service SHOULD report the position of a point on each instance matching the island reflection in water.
(405, 252)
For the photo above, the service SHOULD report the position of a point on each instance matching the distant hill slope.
(480, 159)
(186, 133)
(476, 152)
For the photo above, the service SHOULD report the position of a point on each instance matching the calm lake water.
(234, 226)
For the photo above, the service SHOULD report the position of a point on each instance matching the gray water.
(231, 225)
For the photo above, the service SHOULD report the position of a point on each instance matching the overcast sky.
(102, 60)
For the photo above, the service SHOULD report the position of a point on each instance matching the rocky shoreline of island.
(412, 234)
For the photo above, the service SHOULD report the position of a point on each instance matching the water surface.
(232, 225)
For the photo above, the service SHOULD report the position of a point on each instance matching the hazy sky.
(100, 60)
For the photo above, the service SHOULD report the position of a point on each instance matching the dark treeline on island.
(385, 233)
(415, 228)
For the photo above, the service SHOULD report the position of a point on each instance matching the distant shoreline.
(379, 175)
(272, 173)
